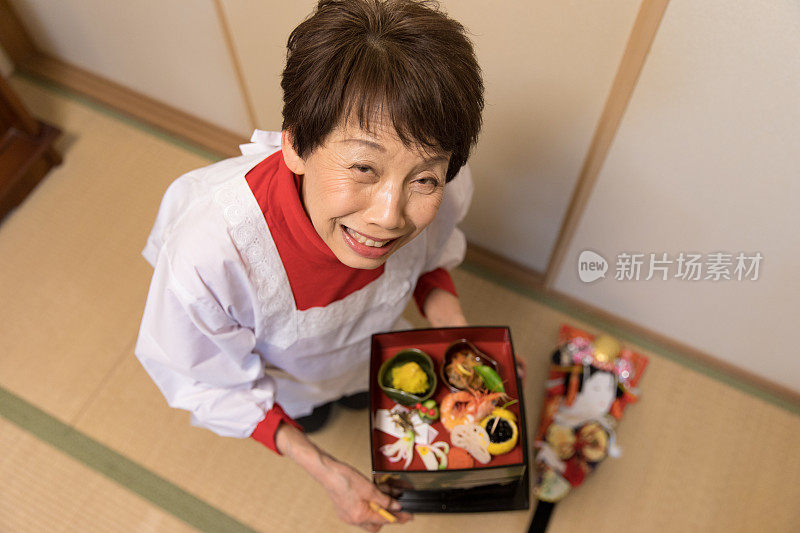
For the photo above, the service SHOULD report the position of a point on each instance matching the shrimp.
(467, 407)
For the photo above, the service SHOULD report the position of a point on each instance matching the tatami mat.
(698, 454)
(71, 267)
(44, 490)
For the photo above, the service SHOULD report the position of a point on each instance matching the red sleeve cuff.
(265, 430)
(435, 279)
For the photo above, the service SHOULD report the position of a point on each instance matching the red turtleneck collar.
(317, 278)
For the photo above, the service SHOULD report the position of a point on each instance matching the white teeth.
(363, 240)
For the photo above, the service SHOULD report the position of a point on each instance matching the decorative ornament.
(592, 380)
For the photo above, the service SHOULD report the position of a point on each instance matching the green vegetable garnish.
(490, 378)
(431, 412)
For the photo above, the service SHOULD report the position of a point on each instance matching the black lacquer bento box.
(501, 484)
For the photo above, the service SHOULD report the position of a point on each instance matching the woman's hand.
(349, 490)
(522, 369)
(443, 309)
(351, 494)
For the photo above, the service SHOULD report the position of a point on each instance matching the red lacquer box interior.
(501, 484)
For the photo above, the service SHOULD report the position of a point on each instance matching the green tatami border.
(116, 467)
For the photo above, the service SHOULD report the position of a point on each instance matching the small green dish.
(402, 357)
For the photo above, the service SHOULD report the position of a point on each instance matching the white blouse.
(220, 334)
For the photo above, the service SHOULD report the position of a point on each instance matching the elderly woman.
(273, 269)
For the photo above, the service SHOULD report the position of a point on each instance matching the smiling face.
(366, 193)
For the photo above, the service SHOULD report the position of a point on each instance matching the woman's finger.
(401, 517)
(521, 368)
(394, 505)
(392, 509)
(380, 514)
(394, 492)
(385, 500)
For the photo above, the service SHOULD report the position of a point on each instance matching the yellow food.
(502, 431)
(410, 377)
(504, 413)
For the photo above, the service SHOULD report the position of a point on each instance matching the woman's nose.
(386, 207)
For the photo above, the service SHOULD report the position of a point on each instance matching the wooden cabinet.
(26, 150)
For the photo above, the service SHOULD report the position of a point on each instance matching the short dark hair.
(362, 58)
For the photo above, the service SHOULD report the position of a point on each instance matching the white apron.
(220, 334)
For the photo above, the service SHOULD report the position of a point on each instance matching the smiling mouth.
(368, 246)
(367, 241)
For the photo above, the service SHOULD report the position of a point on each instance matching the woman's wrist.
(294, 444)
(443, 309)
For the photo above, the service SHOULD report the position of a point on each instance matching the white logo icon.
(591, 266)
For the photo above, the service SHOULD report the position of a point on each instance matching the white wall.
(548, 67)
(707, 160)
(260, 31)
(171, 51)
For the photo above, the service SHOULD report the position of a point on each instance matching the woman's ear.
(292, 159)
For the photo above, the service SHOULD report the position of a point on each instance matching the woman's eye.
(427, 185)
